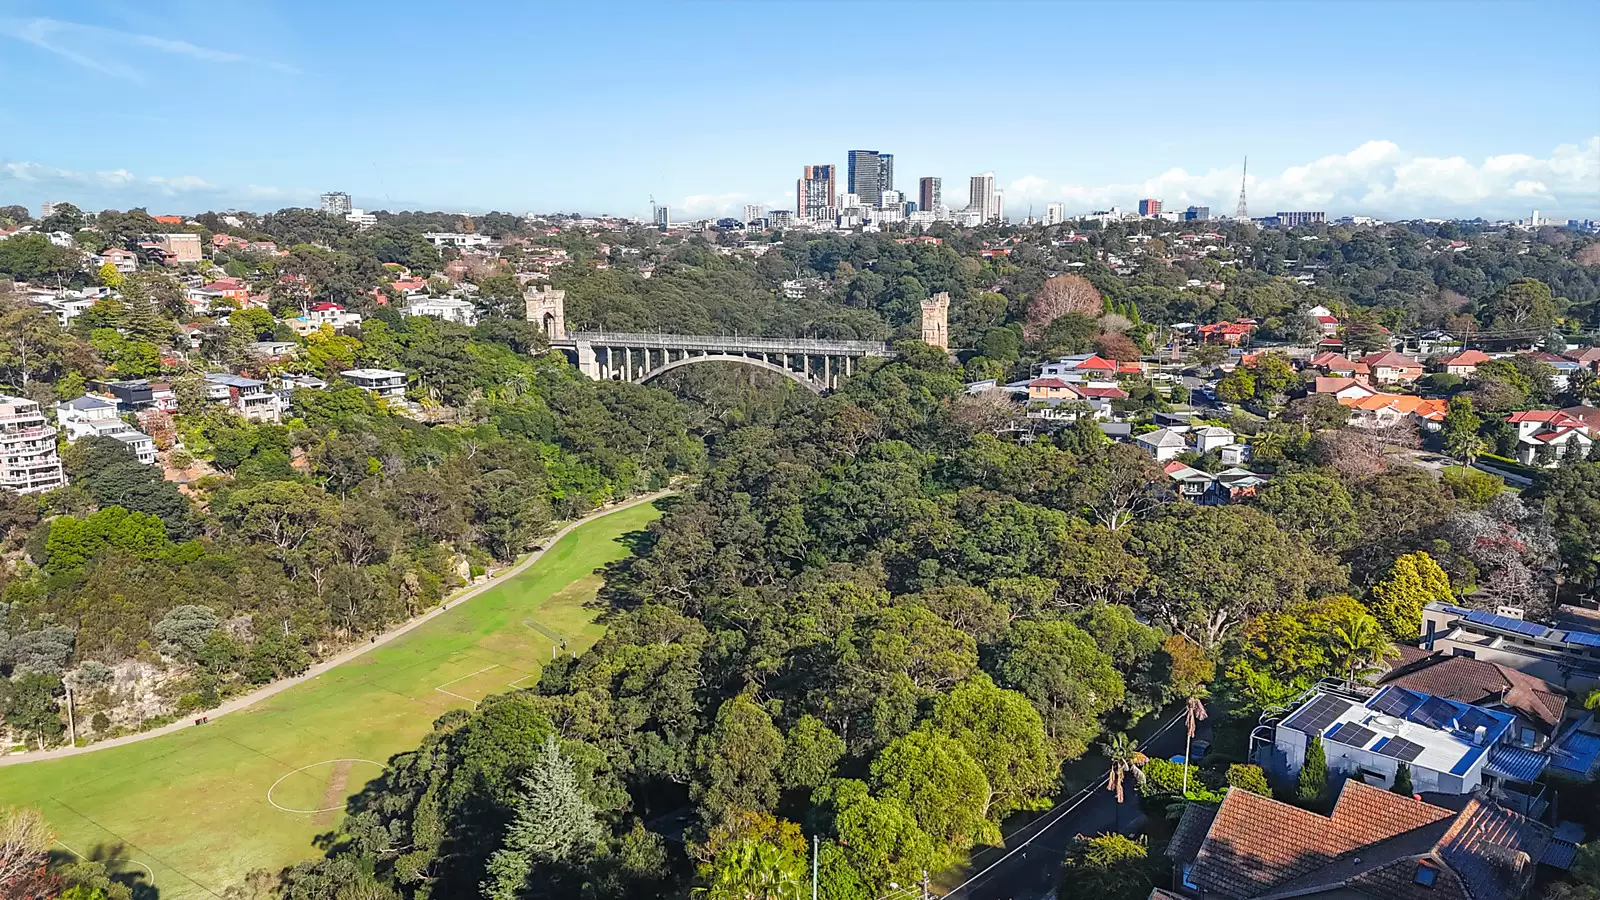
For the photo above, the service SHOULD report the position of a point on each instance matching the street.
(1034, 852)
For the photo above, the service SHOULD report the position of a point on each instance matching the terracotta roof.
(1110, 393)
(1255, 842)
(1329, 385)
(1589, 355)
(1466, 358)
(1481, 683)
(1191, 832)
(1048, 383)
(1392, 360)
(1588, 415)
(1550, 416)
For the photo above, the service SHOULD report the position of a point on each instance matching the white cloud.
(120, 186)
(1376, 178)
(100, 49)
(697, 205)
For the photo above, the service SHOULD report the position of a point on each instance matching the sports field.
(198, 809)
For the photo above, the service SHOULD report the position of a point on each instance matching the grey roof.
(1162, 437)
(232, 380)
(87, 403)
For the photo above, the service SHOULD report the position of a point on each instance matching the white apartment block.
(91, 416)
(28, 460)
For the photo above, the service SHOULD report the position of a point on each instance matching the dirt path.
(333, 794)
(278, 687)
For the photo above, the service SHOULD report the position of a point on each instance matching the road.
(278, 687)
(1034, 854)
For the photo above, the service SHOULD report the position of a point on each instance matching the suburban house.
(248, 397)
(1163, 444)
(1373, 844)
(1192, 483)
(385, 383)
(1463, 363)
(232, 288)
(1537, 706)
(1235, 454)
(273, 351)
(1588, 415)
(1237, 483)
(1337, 364)
(450, 309)
(1567, 655)
(1389, 367)
(124, 261)
(138, 395)
(1450, 747)
(317, 315)
(1230, 333)
(1564, 367)
(1342, 388)
(91, 416)
(1210, 437)
(1388, 410)
(1588, 357)
(1051, 393)
(1080, 367)
(1552, 428)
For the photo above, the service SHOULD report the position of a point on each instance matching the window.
(1469, 654)
(1426, 874)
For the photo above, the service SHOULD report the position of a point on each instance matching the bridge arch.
(808, 383)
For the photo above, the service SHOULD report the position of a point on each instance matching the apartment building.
(28, 460)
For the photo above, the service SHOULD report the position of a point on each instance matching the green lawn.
(192, 808)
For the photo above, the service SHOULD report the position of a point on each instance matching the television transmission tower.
(1243, 211)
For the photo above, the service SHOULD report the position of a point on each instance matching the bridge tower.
(936, 320)
(547, 308)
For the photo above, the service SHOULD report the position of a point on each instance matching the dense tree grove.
(873, 624)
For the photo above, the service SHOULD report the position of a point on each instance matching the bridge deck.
(725, 344)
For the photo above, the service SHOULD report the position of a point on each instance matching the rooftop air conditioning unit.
(1510, 612)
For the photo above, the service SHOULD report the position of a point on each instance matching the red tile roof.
(1481, 683)
(1256, 842)
(1392, 360)
(1466, 358)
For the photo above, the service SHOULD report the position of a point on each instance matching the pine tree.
(1314, 774)
(1402, 781)
(553, 823)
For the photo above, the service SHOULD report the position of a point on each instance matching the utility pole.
(813, 867)
(924, 884)
(72, 722)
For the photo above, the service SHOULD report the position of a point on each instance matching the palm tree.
(1357, 645)
(1194, 712)
(1126, 761)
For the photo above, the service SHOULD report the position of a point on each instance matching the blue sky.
(1393, 109)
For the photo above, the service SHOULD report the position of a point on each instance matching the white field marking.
(523, 678)
(309, 812)
(147, 870)
(441, 688)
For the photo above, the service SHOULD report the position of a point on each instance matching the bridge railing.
(734, 344)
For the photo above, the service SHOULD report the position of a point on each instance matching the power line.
(1077, 801)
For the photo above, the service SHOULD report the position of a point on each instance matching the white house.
(250, 398)
(91, 416)
(385, 383)
(1450, 747)
(450, 309)
(1163, 444)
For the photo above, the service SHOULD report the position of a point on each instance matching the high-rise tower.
(929, 196)
(865, 176)
(815, 193)
(1243, 212)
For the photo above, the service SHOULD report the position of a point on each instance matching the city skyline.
(287, 120)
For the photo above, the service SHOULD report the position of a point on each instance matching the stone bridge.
(816, 364)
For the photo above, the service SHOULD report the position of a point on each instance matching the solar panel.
(1317, 715)
(1352, 734)
(1393, 702)
(1506, 623)
(1435, 713)
(1400, 749)
(1472, 718)
(1583, 639)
